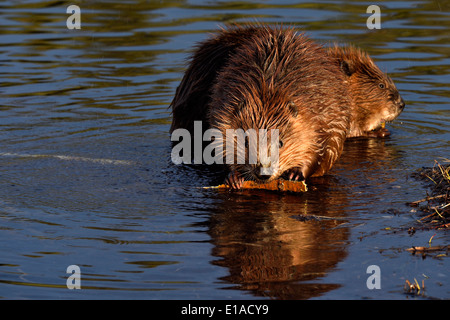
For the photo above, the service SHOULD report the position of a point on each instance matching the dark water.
(86, 177)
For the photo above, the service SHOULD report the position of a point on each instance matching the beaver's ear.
(293, 109)
(348, 67)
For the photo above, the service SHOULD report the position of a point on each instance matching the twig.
(427, 199)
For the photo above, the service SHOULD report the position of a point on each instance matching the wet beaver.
(260, 77)
(374, 97)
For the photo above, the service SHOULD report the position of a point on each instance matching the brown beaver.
(261, 77)
(374, 97)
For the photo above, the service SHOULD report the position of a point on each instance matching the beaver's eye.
(280, 144)
(382, 86)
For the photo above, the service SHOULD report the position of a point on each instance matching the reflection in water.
(271, 244)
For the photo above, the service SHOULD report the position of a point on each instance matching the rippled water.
(86, 177)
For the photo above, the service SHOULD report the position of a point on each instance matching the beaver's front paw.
(234, 180)
(294, 174)
(380, 133)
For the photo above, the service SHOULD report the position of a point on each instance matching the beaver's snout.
(263, 173)
(260, 176)
(400, 103)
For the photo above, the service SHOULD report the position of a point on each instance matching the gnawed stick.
(275, 185)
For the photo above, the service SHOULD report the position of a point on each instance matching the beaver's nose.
(260, 173)
(400, 103)
(262, 176)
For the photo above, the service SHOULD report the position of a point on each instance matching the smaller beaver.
(260, 77)
(374, 97)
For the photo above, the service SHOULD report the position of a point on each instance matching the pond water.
(86, 177)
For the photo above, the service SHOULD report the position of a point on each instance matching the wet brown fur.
(254, 77)
(370, 104)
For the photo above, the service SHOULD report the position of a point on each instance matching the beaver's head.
(258, 135)
(375, 99)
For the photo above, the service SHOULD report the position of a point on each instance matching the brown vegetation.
(436, 205)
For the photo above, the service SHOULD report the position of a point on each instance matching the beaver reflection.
(270, 246)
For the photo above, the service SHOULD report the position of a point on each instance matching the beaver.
(261, 77)
(375, 99)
